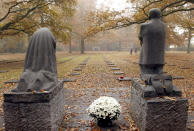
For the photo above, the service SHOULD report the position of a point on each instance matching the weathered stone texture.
(157, 113)
(35, 115)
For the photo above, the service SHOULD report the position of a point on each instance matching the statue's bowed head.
(154, 13)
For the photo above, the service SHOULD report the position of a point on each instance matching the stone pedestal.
(34, 111)
(153, 113)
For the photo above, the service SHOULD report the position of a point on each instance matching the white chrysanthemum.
(105, 108)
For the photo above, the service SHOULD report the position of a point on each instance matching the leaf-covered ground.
(97, 79)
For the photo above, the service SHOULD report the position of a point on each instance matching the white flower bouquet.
(105, 108)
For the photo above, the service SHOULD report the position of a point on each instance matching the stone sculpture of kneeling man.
(152, 38)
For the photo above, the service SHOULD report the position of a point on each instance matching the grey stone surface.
(178, 77)
(34, 114)
(147, 91)
(114, 69)
(110, 64)
(119, 73)
(32, 97)
(125, 79)
(74, 74)
(171, 65)
(157, 113)
(82, 64)
(69, 80)
(162, 84)
(80, 67)
(11, 81)
(3, 71)
(1, 121)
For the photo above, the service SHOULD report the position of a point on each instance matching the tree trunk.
(189, 41)
(70, 49)
(82, 46)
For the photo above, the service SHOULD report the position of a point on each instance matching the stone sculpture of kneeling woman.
(40, 69)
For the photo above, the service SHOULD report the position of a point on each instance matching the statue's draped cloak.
(40, 69)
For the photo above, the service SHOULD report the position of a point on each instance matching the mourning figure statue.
(152, 39)
(40, 69)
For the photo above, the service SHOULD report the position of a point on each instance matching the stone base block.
(157, 113)
(34, 111)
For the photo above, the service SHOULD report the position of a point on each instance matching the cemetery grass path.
(95, 80)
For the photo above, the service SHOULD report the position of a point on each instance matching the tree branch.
(6, 26)
(171, 4)
(177, 10)
(11, 7)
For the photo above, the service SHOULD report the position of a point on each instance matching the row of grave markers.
(16, 80)
(116, 69)
(80, 67)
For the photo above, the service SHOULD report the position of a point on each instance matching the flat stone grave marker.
(80, 66)
(3, 71)
(178, 77)
(171, 65)
(124, 79)
(115, 69)
(185, 68)
(11, 81)
(77, 69)
(74, 74)
(1, 122)
(119, 73)
(69, 80)
(112, 66)
(82, 63)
